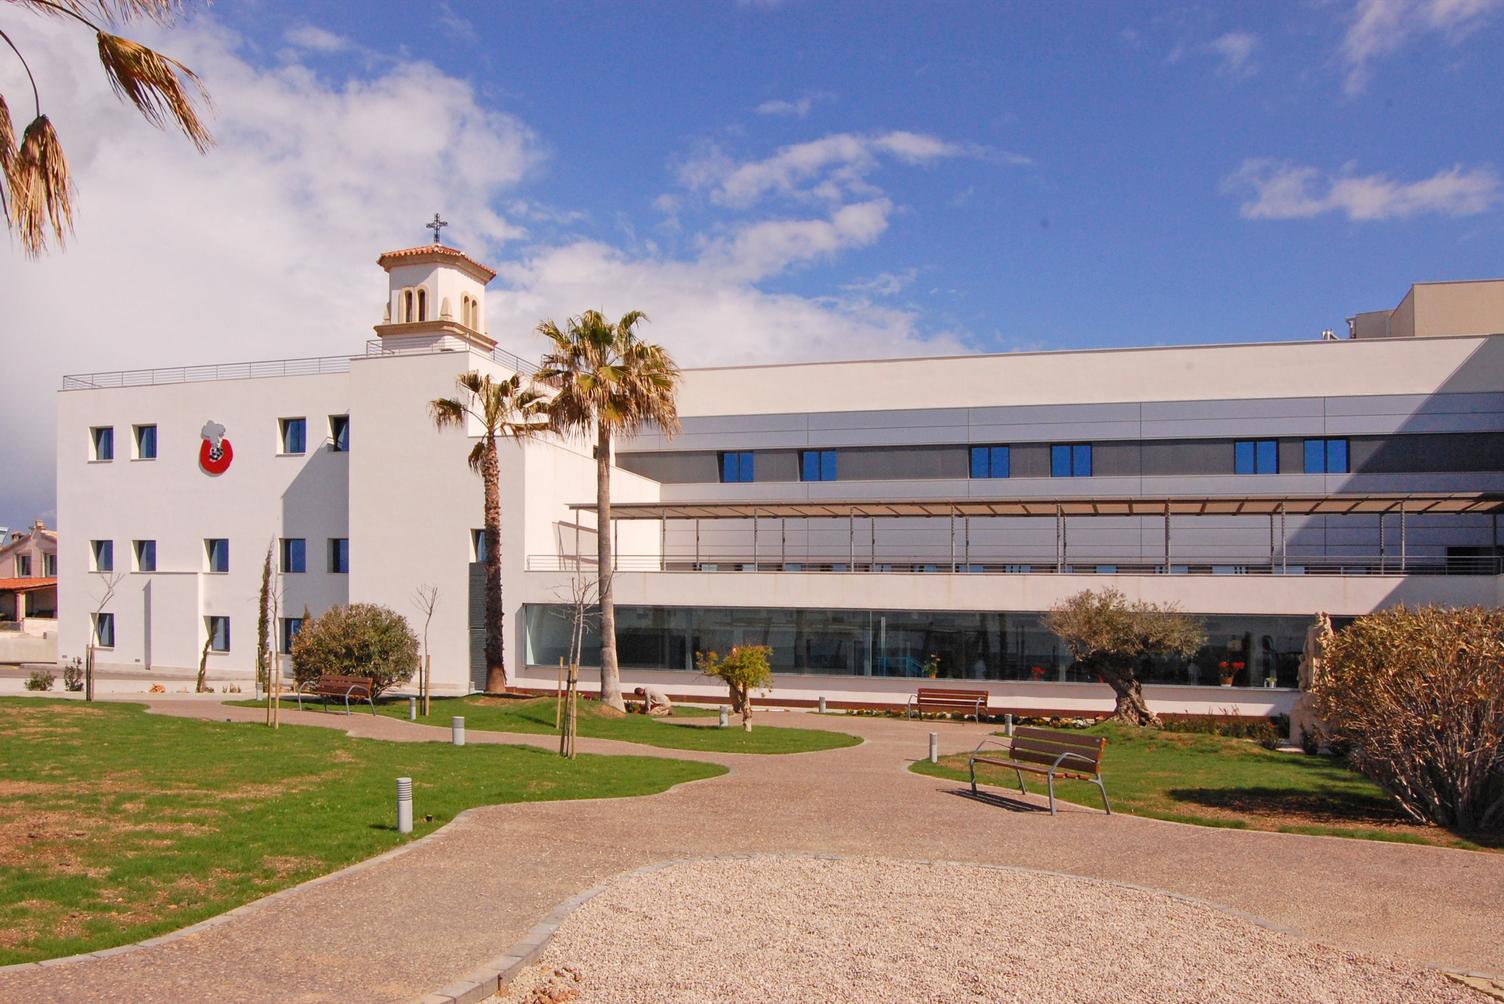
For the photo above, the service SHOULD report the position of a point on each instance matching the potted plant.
(1225, 671)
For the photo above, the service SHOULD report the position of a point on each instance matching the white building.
(859, 517)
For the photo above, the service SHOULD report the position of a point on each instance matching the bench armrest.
(1096, 767)
(995, 742)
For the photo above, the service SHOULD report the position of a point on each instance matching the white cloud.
(884, 283)
(798, 108)
(1236, 50)
(308, 36)
(1283, 191)
(1382, 27)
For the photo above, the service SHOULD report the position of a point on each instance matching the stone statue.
(1313, 655)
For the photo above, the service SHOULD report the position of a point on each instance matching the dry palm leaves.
(40, 188)
(153, 83)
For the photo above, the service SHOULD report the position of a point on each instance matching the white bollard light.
(412, 709)
(459, 731)
(1008, 726)
(404, 805)
(725, 718)
(934, 747)
(822, 704)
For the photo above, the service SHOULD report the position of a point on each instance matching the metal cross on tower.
(435, 226)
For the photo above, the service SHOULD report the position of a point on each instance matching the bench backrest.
(346, 684)
(940, 694)
(1044, 746)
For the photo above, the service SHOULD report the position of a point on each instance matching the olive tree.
(1418, 696)
(744, 670)
(1111, 637)
(361, 639)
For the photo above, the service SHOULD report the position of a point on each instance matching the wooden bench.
(1053, 754)
(933, 700)
(358, 687)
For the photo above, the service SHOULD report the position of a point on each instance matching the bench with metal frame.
(346, 687)
(1048, 752)
(933, 700)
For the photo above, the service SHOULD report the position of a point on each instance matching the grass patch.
(536, 716)
(117, 825)
(1211, 780)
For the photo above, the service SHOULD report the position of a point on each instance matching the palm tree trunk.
(610, 673)
(496, 667)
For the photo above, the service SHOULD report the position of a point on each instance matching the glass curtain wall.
(1252, 651)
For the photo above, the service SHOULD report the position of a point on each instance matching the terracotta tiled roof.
(26, 585)
(434, 251)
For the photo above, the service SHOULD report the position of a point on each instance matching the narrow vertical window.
(989, 461)
(478, 544)
(104, 442)
(737, 467)
(339, 433)
(1081, 460)
(1060, 461)
(339, 554)
(1266, 457)
(294, 555)
(23, 566)
(146, 555)
(1243, 457)
(407, 305)
(104, 630)
(217, 554)
(49, 566)
(422, 304)
(817, 465)
(1336, 456)
(104, 555)
(980, 466)
(290, 628)
(1073, 461)
(146, 442)
(294, 435)
(219, 633)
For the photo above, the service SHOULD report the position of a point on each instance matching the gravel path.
(793, 929)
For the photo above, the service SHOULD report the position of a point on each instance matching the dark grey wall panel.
(1109, 460)
(1444, 453)
(1186, 456)
(676, 467)
(1029, 460)
(1292, 456)
(776, 465)
(902, 463)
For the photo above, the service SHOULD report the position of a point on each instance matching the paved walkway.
(412, 924)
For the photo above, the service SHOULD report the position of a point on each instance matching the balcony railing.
(1315, 565)
(313, 365)
(510, 360)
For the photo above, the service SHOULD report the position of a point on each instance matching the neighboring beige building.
(28, 574)
(1436, 310)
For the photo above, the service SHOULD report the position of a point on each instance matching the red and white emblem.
(214, 453)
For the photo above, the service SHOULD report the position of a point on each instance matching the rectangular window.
(736, 467)
(23, 566)
(339, 433)
(219, 633)
(1070, 461)
(1256, 456)
(478, 544)
(104, 630)
(290, 628)
(339, 554)
(104, 555)
(989, 461)
(146, 555)
(817, 465)
(294, 554)
(104, 442)
(49, 566)
(146, 442)
(294, 435)
(1326, 456)
(218, 552)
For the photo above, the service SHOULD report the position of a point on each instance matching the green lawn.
(684, 731)
(118, 826)
(1215, 781)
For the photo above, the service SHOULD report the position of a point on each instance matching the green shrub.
(361, 639)
(744, 670)
(40, 679)
(1267, 732)
(1416, 698)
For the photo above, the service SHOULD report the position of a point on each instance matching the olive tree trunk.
(496, 666)
(1131, 707)
(610, 672)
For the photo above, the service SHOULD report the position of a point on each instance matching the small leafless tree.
(425, 598)
(109, 581)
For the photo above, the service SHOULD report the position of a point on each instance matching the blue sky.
(768, 181)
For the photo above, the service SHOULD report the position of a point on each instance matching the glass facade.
(817, 465)
(1072, 461)
(1256, 456)
(1251, 649)
(989, 461)
(736, 467)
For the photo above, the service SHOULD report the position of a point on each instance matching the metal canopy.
(1214, 505)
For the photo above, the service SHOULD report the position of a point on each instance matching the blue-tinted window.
(104, 555)
(1315, 456)
(339, 433)
(104, 443)
(218, 551)
(219, 634)
(339, 554)
(1326, 456)
(294, 554)
(1060, 461)
(146, 556)
(1072, 461)
(989, 461)
(104, 630)
(478, 544)
(817, 465)
(1081, 460)
(290, 628)
(736, 467)
(1256, 456)
(146, 442)
(294, 435)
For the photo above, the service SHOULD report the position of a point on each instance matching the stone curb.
(495, 975)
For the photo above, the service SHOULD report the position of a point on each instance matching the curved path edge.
(495, 975)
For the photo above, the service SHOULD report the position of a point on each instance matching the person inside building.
(655, 701)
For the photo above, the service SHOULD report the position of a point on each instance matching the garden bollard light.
(934, 747)
(822, 705)
(1008, 726)
(459, 731)
(404, 805)
(725, 720)
(412, 709)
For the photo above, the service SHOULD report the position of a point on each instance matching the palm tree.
(609, 380)
(501, 408)
(35, 190)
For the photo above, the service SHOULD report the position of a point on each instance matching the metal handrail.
(311, 365)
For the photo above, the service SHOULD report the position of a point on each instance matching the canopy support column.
(1284, 543)
(851, 530)
(783, 542)
(663, 543)
(697, 543)
(1402, 538)
(754, 539)
(1167, 537)
(966, 530)
(1381, 543)
(953, 541)
(872, 529)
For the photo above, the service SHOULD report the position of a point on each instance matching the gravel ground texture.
(784, 929)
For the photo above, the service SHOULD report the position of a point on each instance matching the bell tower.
(436, 298)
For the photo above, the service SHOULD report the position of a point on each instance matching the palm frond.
(7, 157)
(41, 189)
(154, 83)
(477, 457)
(448, 411)
(89, 11)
